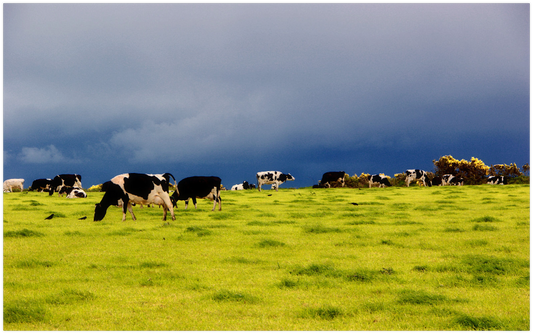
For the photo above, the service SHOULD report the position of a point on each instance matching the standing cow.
(198, 187)
(329, 177)
(41, 185)
(13, 183)
(417, 174)
(65, 180)
(272, 177)
(497, 180)
(381, 180)
(125, 189)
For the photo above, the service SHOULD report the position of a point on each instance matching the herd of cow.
(125, 190)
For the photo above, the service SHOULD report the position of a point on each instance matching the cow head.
(99, 212)
(288, 177)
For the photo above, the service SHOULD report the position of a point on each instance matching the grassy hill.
(440, 258)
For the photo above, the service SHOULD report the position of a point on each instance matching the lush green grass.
(440, 258)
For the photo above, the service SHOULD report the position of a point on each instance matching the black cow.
(437, 181)
(65, 180)
(329, 177)
(198, 187)
(41, 185)
(497, 180)
(125, 189)
(417, 174)
(381, 180)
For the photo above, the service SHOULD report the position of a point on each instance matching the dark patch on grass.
(361, 222)
(287, 283)
(152, 265)
(73, 233)
(32, 263)
(260, 223)
(406, 222)
(321, 229)
(69, 296)
(242, 260)
(478, 323)
(270, 243)
(324, 312)
(316, 270)
(125, 231)
(485, 219)
(484, 227)
(420, 268)
(22, 234)
(230, 296)
(222, 215)
(370, 203)
(200, 231)
(453, 230)
(476, 243)
(362, 275)
(493, 265)
(420, 298)
(23, 312)
(34, 203)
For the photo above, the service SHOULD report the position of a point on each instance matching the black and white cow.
(41, 185)
(272, 177)
(417, 174)
(378, 179)
(65, 180)
(13, 183)
(452, 180)
(198, 187)
(241, 186)
(125, 189)
(73, 192)
(329, 177)
(497, 180)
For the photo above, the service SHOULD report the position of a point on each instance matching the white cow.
(13, 183)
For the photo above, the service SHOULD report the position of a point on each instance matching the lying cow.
(11, 184)
(497, 180)
(65, 180)
(329, 178)
(133, 188)
(198, 187)
(73, 192)
(272, 177)
(241, 186)
(41, 185)
(381, 180)
(417, 174)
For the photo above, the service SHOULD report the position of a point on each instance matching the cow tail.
(175, 183)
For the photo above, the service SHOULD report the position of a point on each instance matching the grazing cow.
(272, 177)
(65, 180)
(417, 174)
(379, 179)
(437, 181)
(13, 183)
(73, 192)
(330, 177)
(41, 185)
(125, 189)
(452, 180)
(198, 187)
(241, 186)
(497, 180)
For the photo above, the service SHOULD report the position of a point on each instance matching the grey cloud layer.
(219, 78)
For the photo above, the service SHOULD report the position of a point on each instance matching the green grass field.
(440, 258)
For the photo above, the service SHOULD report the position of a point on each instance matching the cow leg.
(186, 203)
(130, 209)
(167, 205)
(194, 202)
